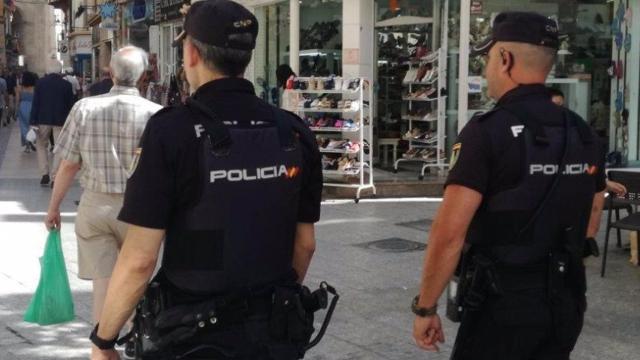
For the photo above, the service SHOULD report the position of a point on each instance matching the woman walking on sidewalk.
(24, 100)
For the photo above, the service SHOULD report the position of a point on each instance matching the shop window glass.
(405, 34)
(320, 37)
(584, 57)
(388, 9)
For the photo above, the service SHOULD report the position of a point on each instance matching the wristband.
(421, 311)
(102, 344)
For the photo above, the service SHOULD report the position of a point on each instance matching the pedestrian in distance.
(100, 137)
(104, 85)
(231, 185)
(75, 84)
(4, 100)
(52, 101)
(24, 99)
(525, 184)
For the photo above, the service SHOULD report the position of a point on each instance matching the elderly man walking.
(52, 100)
(101, 137)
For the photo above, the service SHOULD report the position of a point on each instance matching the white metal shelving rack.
(438, 104)
(363, 96)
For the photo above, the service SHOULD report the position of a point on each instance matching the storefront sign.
(475, 84)
(167, 10)
(476, 7)
(108, 13)
(81, 44)
(138, 10)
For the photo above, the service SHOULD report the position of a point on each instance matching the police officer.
(233, 187)
(522, 182)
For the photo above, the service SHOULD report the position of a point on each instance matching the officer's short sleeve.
(311, 192)
(149, 193)
(470, 156)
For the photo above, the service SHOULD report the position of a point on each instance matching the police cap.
(220, 23)
(523, 27)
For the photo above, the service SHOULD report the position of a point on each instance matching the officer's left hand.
(427, 332)
(97, 354)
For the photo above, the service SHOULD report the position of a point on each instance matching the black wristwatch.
(102, 344)
(421, 311)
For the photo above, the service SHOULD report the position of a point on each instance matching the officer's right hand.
(427, 332)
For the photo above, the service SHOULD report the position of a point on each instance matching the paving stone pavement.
(372, 320)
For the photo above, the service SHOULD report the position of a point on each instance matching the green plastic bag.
(52, 303)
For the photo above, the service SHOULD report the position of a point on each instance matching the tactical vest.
(510, 227)
(240, 233)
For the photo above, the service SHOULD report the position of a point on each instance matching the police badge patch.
(455, 153)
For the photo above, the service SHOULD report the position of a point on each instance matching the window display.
(581, 67)
(320, 37)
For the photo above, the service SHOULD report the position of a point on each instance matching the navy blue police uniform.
(229, 204)
(520, 314)
(538, 167)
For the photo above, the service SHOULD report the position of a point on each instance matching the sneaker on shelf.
(337, 83)
(427, 154)
(334, 144)
(411, 75)
(320, 84)
(354, 84)
(355, 106)
(421, 73)
(320, 141)
(432, 116)
(309, 121)
(433, 75)
(431, 57)
(312, 83)
(428, 94)
(354, 147)
(322, 122)
(345, 84)
(339, 123)
(410, 154)
(45, 180)
(344, 163)
(349, 124)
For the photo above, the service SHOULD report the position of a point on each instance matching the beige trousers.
(100, 234)
(47, 162)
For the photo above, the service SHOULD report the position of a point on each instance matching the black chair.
(631, 180)
(616, 206)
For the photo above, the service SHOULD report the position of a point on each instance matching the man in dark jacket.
(103, 86)
(52, 101)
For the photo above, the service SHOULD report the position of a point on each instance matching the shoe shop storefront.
(425, 86)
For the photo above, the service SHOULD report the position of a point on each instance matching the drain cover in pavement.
(394, 244)
(422, 225)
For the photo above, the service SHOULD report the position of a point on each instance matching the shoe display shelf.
(340, 113)
(425, 113)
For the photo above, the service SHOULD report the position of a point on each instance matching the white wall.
(37, 35)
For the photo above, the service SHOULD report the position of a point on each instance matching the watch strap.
(102, 344)
(422, 311)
